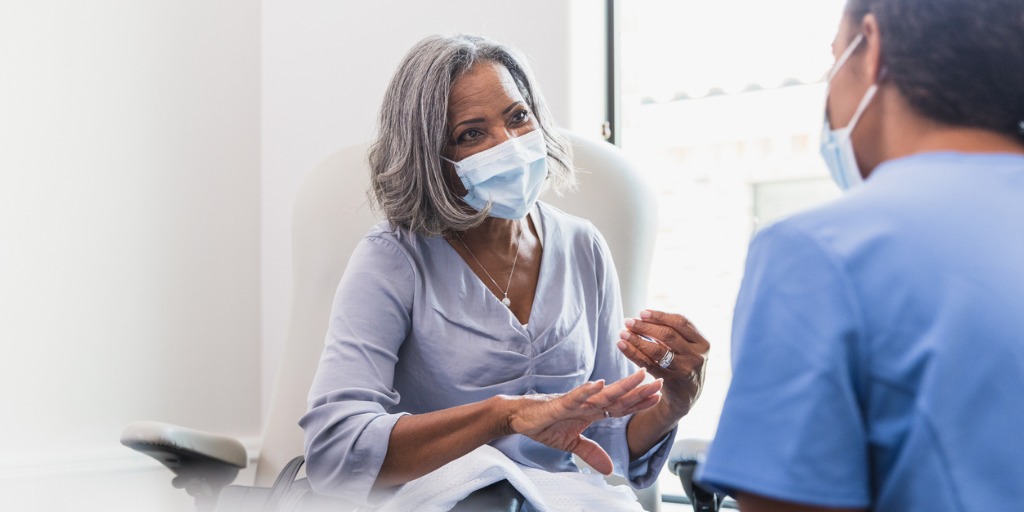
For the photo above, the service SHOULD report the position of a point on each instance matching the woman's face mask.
(509, 176)
(836, 145)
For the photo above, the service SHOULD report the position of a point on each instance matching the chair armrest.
(686, 453)
(203, 462)
(152, 437)
(682, 461)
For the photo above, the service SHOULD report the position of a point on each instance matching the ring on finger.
(607, 414)
(666, 359)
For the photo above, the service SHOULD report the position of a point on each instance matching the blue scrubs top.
(414, 330)
(878, 346)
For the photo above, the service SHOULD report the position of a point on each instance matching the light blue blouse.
(414, 330)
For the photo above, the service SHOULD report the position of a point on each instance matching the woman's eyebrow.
(470, 121)
(510, 107)
(480, 119)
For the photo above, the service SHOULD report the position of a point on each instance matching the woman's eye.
(521, 116)
(469, 136)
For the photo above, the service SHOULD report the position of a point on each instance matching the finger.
(637, 395)
(646, 403)
(640, 392)
(614, 392)
(627, 383)
(642, 352)
(584, 392)
(678, 323)
(595, 456)
(654, 332)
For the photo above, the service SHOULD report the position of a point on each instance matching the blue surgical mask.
(836, 144)
(509, 177)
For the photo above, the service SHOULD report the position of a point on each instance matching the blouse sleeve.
(347, 426)
(611, 365)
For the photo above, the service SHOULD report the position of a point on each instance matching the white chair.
(331, 215)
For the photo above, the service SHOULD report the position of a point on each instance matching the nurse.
(476, 315)
(878, 341)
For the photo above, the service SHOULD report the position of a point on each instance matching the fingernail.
(645, 314)
(621, 344)
(624, 334)
(629, 323)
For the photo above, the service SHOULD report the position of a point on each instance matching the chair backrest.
(332, 214)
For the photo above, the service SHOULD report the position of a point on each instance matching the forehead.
(486, 85)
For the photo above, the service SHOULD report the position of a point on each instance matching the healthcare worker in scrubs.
(878, 341)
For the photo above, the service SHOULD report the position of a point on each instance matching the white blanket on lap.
(545, 491)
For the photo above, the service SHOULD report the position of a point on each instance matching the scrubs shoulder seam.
(853, 301)
(849, 290)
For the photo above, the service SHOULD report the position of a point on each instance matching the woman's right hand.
(558, 421)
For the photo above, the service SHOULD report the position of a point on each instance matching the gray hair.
(408, 182)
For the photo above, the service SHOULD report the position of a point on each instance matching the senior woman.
(476, 315)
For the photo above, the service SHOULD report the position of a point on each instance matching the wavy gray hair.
(407, 176)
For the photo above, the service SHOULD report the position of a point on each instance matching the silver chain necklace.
(504, 300)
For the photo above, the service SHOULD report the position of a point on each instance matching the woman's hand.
(673, 350)
(558, 421)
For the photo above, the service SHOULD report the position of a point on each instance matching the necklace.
(504, 300)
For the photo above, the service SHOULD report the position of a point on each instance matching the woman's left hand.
(559, 420)
(673, 350)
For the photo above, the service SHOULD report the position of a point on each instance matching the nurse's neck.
(901, 131)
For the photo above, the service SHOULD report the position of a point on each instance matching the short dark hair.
(959, 62)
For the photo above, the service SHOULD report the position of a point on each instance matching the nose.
(504, 135)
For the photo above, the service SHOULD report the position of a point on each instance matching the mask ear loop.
(862, 106)
(868, 96)
(837, 66)
(844, 57)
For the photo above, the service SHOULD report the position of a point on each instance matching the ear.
(872, 64)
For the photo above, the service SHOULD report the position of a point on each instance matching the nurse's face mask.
(836, 145)
(509, 176)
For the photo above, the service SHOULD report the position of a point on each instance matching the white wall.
(327, 63)
(129, 239)
(149, 155)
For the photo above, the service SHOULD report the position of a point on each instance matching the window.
(722, 106)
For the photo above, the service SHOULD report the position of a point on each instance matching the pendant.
(506, 302)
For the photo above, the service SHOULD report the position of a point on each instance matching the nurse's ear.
(871, 65)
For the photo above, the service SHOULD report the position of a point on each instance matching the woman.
(476, 316)
(878, 353)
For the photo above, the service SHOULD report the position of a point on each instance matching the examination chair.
(331, 215)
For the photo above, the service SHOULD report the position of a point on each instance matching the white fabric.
(442, 489)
